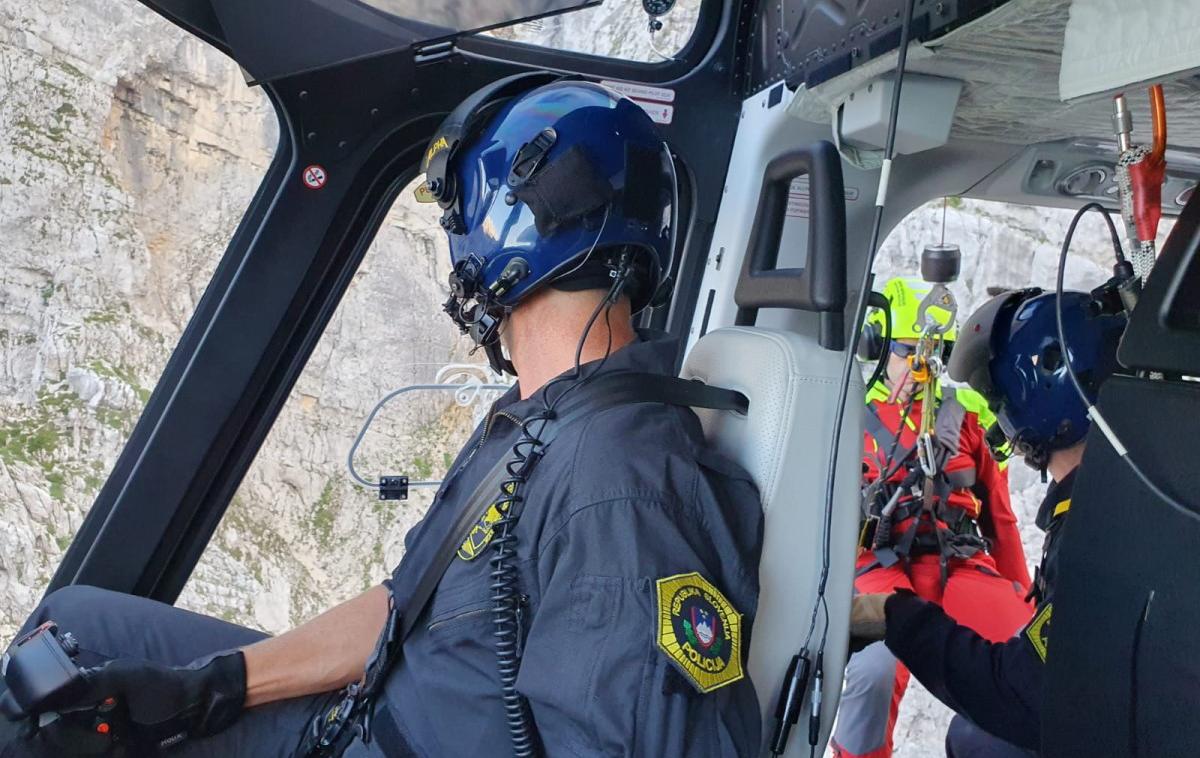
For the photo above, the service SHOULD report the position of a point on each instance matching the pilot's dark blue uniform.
(620, 502)
(998, 686)
(638, 556)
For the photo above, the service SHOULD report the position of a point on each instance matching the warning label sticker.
(659, 112)
(654, 100)
(798, 205)
(641, 91)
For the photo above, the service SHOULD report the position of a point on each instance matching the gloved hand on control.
(197, 700)
(169, 704)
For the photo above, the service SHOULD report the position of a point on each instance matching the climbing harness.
(920, 498)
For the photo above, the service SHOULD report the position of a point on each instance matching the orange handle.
(1158, 115)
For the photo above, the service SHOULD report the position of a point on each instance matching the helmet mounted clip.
(530, 156)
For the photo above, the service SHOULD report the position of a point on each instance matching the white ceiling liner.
(1112, 44)
(1009, 63)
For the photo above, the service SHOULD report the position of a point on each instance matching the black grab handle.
(820, 286)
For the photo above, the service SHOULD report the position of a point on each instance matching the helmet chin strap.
(496, 358)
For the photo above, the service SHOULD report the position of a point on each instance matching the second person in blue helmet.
(1009, 351)
(600, 599)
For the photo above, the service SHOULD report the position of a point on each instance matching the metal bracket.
(468, 382)
(942, 298)
(393, 488)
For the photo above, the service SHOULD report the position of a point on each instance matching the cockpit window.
(301, 534)
(615, 29)
(126, 170)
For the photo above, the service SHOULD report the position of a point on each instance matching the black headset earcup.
(870, 342)
(998, 444)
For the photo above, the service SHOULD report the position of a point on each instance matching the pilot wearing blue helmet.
(585, 581)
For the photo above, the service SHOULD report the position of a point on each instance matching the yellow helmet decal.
(905, 294)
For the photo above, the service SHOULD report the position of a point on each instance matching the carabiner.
(925, 455)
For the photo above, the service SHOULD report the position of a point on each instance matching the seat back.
(783, 442)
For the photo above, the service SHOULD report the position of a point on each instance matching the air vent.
(1088, 181)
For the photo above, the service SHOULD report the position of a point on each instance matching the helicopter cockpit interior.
(802, 132)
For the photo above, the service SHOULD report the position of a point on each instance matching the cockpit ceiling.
(1009, 63)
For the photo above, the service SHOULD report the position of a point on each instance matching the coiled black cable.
(504, 596)
(1094, 414)
(506, 600)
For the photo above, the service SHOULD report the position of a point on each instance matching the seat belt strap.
(885, 438)
(484, 494)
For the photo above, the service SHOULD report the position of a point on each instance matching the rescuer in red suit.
(952, 538)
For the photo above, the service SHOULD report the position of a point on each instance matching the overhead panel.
(1008, 61)
(811, 41)
(272, 39)
(1110, 46)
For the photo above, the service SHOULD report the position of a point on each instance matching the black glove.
(165, 704)
(903, 609)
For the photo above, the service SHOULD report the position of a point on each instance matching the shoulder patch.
(1038, 631)
(700, 631)
(483, 531)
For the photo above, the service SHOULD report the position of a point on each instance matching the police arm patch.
(700, 631)
(1038, 631)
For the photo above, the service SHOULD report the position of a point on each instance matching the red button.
(103, 727)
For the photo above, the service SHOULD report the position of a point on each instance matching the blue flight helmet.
(1009, 351)
(546, 181)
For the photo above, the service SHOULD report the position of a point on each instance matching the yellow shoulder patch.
(483, 531)
(1038, 631)
(700, 631)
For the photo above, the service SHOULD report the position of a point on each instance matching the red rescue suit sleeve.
(997, 521)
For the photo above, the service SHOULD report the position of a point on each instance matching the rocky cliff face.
(616, 28)
(130, 153)
(133, 150)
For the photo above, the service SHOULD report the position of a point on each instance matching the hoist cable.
(860, 311)
(848, 366)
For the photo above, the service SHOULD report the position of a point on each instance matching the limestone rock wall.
(131, 152)
(128, 156)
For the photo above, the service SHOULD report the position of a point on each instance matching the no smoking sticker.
(315, 177)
